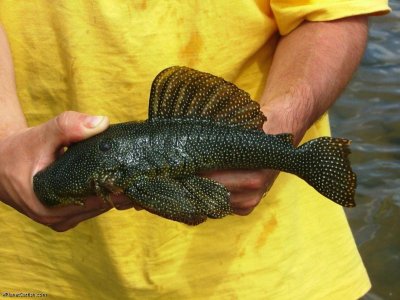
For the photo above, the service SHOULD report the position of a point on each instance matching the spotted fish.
(197, 122)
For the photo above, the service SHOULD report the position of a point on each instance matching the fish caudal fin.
(323, 163)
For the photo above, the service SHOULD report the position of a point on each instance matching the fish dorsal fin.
(181, 92)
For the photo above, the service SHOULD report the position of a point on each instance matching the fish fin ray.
(328, 169)
(167, 198)
(211, 196)
(181, 92)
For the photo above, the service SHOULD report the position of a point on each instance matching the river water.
(369, 113)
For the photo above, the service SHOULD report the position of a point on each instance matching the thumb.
(70, 127)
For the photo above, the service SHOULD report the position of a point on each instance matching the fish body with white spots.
(197, 122)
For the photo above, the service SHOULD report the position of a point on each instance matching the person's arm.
(11, 116)
(24, 151)
(310, 68)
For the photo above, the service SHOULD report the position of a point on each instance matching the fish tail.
(323, 163)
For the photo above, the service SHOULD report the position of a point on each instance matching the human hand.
(25, 152)
(246, 187)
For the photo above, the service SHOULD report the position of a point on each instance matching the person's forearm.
(310, 69)
(11, 116)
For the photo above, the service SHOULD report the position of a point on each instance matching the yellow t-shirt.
(100, 57)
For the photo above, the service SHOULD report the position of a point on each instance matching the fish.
(197, 122)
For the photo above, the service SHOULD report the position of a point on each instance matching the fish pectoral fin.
(190, 200)
(167, 198)
(211, 197)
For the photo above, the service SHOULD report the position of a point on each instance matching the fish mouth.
(104, 184)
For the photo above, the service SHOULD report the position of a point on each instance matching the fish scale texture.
(197, 122)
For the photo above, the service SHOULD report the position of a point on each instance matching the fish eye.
(105, 145)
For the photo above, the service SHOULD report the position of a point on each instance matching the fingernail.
(93, 121)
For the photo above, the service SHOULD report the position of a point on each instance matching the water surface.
(369, 114)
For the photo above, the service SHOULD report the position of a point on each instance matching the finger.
(245, 199)
(121, 202)
(242, 211)
(67, 211)
(240, 180)
(74, 221)
(66, 128)
(50, 215)
(244, 203)
(71, 126)
(125, 206)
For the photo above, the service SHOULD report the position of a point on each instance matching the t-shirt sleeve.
(289, 13)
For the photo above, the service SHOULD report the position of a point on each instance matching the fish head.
(92, 167)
